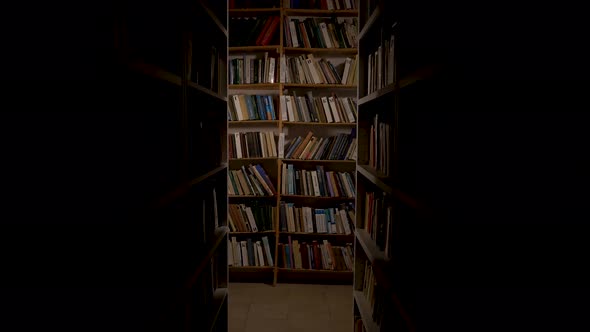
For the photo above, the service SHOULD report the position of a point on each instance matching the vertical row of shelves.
(279, 64)
(175, 76)
(395, 64)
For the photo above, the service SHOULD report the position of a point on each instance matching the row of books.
(254, 144)
(378, 220)
(325, 109)
(339, 220)
(315, 256)
(316, 32)
(250, 181)
(381, 66)
(251, 107)
(340, 147)
(318, 183)
(306, 69)
(254, 31)
(253, 69)
(250, 252)
(321, 4)
(380, 145)
(372, 294)
(251, 217)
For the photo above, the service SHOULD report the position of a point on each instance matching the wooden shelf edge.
(334, 124)
(253, 10)
(253, 159)
(332, 50)
(184, 187)
(214, 18)
(319, 197)
(220, 234)
(377, 94)
(320, 12)
(311, 271)
(380, 182)
(219, 296)
(252, 233)
(155, 72)
(206, 91)
(271, 48)
(370, 22)
(319, 161)
(249, 122)
(254, 86)
(317, 234)
(250, 269)
(250, 196)
(365, 310)
(310, 86)
(369, 246)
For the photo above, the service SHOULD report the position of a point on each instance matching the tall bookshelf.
(397, 63)
(287, 127)
(173, 77)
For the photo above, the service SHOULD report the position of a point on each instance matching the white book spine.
(238, 145)
(281, 151)
(284, 116)
(316, 186)
(294, 39)
(327, 109)
(335, 114)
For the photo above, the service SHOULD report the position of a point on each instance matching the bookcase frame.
(276, 274)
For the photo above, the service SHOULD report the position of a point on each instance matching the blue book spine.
(250, 107)
(288, 255)
(260, 107)
(290, 179)
(270, 110)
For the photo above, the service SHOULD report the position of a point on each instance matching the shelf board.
(383, 183)
(338, 51)
(366, 312)
(219, 296)
(183, 188)
(249, 196)
(283, 269)
(253, 11)
(389, 89)
(155, 72)
(252, 233)
(250, 269)
(316, 86)
(319, 198)
(369, 246)
(332, 124)
(252, 122)
(344, 236)
(374, 18)
(269, 48)
(253, 159)
(321, 12)
(220, 235)
(206, 91)
(319, 161)
(420, 74)
(214, 18)
(256, 86)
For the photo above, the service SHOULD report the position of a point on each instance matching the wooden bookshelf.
(278, 90)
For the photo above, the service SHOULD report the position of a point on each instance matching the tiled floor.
(289, 308)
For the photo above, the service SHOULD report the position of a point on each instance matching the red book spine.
(270, 32)
(263, 31)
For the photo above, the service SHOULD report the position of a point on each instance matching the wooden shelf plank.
(319, 161)
(343, 236)
(253, 159)
(336, 124)
(250, 269)
(257, 86)
(183, 188)
(249, 196)
(252, 122)
(319, 198)
(389, 89)
(206, 91)
(214, 18)
(316, 86)
(382, 182)
(218, 237)
(219, 297)
(253, 11)
(369, 246)
(155, 72)
(252, 233)
(321, 12)
(366, 312)
(338, 51)
(269, 48)
(308, 271)
(374, 18)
